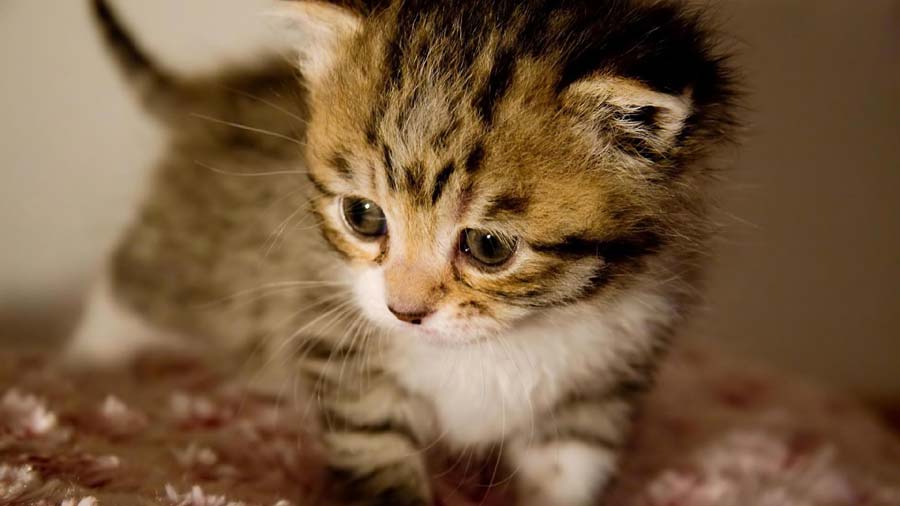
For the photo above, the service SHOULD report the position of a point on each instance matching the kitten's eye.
(486, 247)
(364, 217)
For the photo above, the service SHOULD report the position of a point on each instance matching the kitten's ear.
(639, 119)
(315, 29)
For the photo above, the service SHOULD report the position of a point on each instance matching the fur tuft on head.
(315, 30)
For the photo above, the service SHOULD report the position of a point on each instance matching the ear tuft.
(647, 122)
(315, 29)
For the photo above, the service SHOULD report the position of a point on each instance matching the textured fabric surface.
(177, 431)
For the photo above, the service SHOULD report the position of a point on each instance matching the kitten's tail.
(160, 91)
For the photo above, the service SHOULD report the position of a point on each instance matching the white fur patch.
(487, 391)
(566, 473)
(109, 334)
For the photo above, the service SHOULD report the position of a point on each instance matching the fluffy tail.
(159, 91)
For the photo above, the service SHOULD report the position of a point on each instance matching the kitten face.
(502, 185)
(529, 183)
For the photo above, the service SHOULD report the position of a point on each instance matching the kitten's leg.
(109, 334)
(571, 460)
(373, 453)
(377, 468)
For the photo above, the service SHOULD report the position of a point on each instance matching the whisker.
(275, 286)
(451, 468)
(272, 240)
(368, 351)
(502, 440)
(277, 353)
(260, 345)
(345, 310)
(335, 315)
(365, 375)
(506, 347)
(272, 205)
(552, 413)
(266, 102)
(343, 306)
(250, 174)
(353, 329)
(305, 348)
(248, 128)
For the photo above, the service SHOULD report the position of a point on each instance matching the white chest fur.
(485, 392)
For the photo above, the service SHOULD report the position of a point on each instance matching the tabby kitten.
(503, 214)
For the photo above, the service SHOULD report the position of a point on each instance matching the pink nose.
(414, 318)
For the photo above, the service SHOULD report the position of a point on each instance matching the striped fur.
(577, 131)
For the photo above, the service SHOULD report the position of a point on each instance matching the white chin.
(439, 335)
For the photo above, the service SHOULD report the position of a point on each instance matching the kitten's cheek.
(368, 289)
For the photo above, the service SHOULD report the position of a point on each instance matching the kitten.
(503, 209)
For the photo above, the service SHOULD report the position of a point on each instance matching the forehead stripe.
(443, 135)
(389, 169)
(508, 203)
(474, 159)
(394, 56)
(342, 166)
(440, 182)
(415, 174)
(498, 83)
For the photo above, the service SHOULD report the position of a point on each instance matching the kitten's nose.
(414, 317)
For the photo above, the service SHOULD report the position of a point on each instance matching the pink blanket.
(174, 431)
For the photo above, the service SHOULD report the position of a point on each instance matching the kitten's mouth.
(430, 334)
(441, 337)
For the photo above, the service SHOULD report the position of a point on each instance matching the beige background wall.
(808, 278)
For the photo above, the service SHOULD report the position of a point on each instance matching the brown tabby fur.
(577, 130)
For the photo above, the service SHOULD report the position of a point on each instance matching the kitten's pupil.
(364, 217)
(485, 247)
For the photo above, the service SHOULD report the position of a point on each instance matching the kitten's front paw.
(563, 473)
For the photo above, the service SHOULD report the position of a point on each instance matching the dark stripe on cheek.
(334, 238)
(475, 307)
(382, 255)
(440, 182)
(633, 247)
(612, 251)
(454, 272)
(571, 246)
(545, 275)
